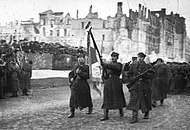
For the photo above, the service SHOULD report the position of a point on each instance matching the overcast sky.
(24, 9)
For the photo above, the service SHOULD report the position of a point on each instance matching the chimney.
(145, 13)
(119, 7)
(77, 13)
(149, 17)
(139, 10)
(142, 14)
(130, 11)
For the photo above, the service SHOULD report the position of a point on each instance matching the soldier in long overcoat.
(161, 82)
(140, 92)
(2, 74)
(113, 95)
(26, 76)
(80, 89)
(178, 79)
(13, 77)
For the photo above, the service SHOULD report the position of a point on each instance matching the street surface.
(47, 109)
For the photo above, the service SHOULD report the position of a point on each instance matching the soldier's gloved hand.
(71, 80)
(77, 71)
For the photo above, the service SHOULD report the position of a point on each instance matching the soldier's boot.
(106, 111)
(146, 115)
(2, 96)
(154, 103)
(14, 94)
(24, 92)
(121, 113)
(72, 114)
(134, 117)
(89, 110)
(161, 102)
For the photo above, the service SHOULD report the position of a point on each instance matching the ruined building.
(153, 32)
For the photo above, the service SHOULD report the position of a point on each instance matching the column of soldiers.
(15, 71)
(148, 84)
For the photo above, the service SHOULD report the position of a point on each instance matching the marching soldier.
(113, 95)
(80, 89)
(140, 92)
(160, 83)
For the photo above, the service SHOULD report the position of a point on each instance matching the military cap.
(134, 58)
(141, 54)
(113, 54)
(80, 55)
(160, 59)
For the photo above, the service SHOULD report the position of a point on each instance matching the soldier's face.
(114, 58)
(81, 59)
(140, 59)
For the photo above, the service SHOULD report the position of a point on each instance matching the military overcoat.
(113, 95)
(80, 89)
(140, 92)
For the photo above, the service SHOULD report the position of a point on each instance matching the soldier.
(80, 89)
(160, 83)
(113, 96)
(140, 92)
(13, 73)
(26, 75)
(2, 73)
(126, 69)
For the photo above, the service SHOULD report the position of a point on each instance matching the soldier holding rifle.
(140, 92)
(80, 89)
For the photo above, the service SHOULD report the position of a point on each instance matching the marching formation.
(148, 83)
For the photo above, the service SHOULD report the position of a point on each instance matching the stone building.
(153, 32)
(29, 30)
(54, 27)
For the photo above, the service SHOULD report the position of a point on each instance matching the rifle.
(105, 73)
(129, 84)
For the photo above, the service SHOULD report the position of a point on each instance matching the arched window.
(57, 33)
(65, 32)
(68, 21)
(82, 23)
(44, 31)
(51, 33)
(103, 37)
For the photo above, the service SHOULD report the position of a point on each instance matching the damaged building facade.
(155, 33)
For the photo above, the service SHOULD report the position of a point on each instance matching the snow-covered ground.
(40, 74)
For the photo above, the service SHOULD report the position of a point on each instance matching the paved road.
(47, 109)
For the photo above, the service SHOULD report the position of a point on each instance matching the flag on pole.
(94, 65)
(91, 51)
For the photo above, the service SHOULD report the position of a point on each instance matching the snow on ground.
(40, 74)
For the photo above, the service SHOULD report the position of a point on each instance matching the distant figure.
(160, 83)
(113, 96)
(13, 78)
(80, 89)
(26, 76)
(2, 73)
